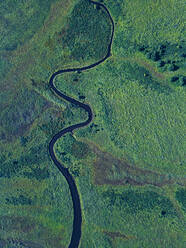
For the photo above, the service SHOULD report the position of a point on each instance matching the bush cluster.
(168, 57)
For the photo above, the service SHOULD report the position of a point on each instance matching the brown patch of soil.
(16, 223)
(55, 12)
(146, 65)
(113, 171)
(19, 243)
(30, 228)
(21, 112)
(114, 235)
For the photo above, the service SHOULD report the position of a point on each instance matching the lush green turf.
(139, 117)
(129, 162)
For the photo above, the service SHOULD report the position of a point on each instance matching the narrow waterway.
(76, 232)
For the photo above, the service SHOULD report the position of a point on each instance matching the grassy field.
(129, 163)
(136, 143)
(33, 193)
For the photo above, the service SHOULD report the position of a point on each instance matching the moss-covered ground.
(129, 163)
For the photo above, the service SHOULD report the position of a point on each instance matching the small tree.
(160, 63)
(172, 67)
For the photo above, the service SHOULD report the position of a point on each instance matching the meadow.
(129, 163)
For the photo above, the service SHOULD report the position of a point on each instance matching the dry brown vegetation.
(26, 226)
(114, 235)
(113, 171)
(157, 75)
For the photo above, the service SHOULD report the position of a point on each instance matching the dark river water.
(77, 222)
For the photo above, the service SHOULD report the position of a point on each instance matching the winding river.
(76, 233)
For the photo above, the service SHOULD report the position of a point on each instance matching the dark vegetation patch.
(65, 147)
(21, 200)
(179, 80)
(134, 202)
(5, 66)
(10, 168)
(88, 32)
(115, 8)
(75, 170)
(82, 97)
(37, 155)
(181, 197)
(37, 173)
(169, 57)
(51, 121)
(94, 128)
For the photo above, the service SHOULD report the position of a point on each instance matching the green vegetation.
(139, 116)
(82, 37)
(21, 200)
(169, 58)
(129, 163)
(135, 117)
(181, 197)
(136, 201)
(20, 114)
(33, 193)
(21, 20)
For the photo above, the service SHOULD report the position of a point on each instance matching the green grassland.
(139, 118)
(129, 163)
(33, 193)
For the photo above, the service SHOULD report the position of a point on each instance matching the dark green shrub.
(155, 56)
(174, 79)
(179, 80)
(141, 48)
(21, 200)
(161, 63)
(23, 141)
(38, 173)
(149, 54)
(183, 55)
(161, 49)
(82, 97)
(182, 80)
(134, 202)
(10, 168)
(75, 172)
(172, 67)
(181, 197)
